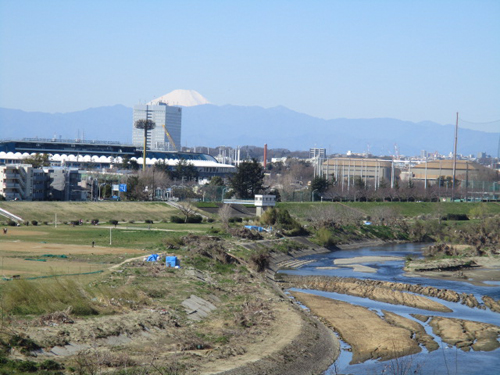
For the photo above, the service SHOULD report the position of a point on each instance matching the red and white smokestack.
(265, 155)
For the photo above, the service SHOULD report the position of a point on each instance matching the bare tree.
(384, 215)
(225, 214)
(186, 209)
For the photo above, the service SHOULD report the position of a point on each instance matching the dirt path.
(285, 329)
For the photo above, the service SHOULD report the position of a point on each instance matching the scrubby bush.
(34, 222)
(49, 364)
(173, 242)
(94, 221)
(282, 219)
(325, 237)
(131, 221)
(455, 217)
(114, 222)
(11, 223)
(148, 221)
(261, 259)
(27, 366)
(176, 219)
(195, 219)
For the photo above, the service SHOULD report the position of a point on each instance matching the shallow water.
(445, 360)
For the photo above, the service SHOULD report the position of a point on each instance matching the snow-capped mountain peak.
(185, 98)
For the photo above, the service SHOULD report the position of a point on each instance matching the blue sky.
(412, 60)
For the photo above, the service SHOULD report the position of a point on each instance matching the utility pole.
(454, 162)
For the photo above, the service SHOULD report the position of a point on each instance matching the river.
(445, 360)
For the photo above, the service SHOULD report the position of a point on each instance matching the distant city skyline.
(416, 61)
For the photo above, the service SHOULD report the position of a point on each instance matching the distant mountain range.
(278, 127)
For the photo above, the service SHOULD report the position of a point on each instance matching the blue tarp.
(254, 227)
(171, 261)
(152, 258)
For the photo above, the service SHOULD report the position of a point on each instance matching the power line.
(479, 123)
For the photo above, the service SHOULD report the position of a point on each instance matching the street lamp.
(100, 186)
(312, 195)
(223, 192)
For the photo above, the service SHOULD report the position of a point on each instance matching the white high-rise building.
(166, 136)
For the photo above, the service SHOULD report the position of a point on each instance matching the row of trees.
(411, 190)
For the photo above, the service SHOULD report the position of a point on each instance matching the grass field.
(33, 251)
(87, 211)
(408, 209)
(48, 258)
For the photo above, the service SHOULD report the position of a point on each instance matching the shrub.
(210, 220)
(27, 366)
(11, 223)
(45, 223)
(456, 217)
(34, 222)
(173, 242)
(131, 221)
(25, 344)
(195, 219)
(261, 259)
(94, 221)
(148, 221)
(235, 220)
(26, 223)
(49, 364)
(325, 237)
(176, 219)
(114, 222)
(283, 220)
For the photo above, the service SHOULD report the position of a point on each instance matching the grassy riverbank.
(104, 211)
(94, 288)
(129, 316)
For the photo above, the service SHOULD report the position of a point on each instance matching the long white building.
(166, 136)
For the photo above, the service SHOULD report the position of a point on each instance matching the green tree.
(128, 163)
(38, 160)
(132, 188)
(216, 181)
(184, 171)
(248, 179)
(319, 185)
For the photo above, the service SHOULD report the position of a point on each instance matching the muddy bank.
(370, 336)
(371, 289)
(385, 291)
(390, 335)
(475, 270)
(464, 334)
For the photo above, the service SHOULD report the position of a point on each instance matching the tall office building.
(168, 120)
